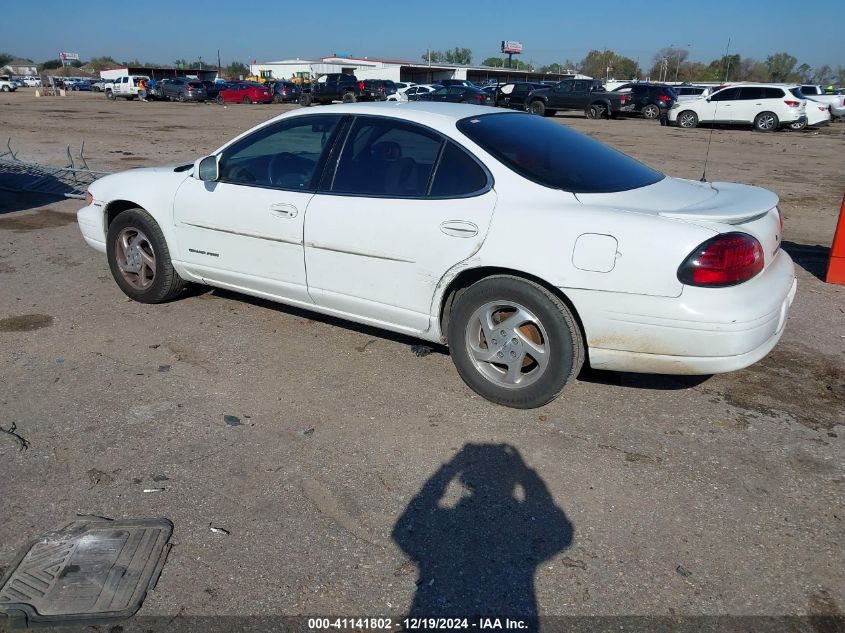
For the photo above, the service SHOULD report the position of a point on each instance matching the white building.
(396, 70)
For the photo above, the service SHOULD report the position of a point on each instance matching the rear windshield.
(196, 84)
(553, 155)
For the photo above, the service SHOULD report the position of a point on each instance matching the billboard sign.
(511, 47)
(67, 57)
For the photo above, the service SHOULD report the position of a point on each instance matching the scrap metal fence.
(69, 181)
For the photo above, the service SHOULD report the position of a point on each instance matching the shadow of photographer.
(477, 530)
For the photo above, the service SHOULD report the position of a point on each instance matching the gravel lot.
(646, 495)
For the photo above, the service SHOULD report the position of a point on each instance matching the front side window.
(385, 157)
(285, 155)
(564, 87)
(555, 156)
(440, 92)
(729, 94)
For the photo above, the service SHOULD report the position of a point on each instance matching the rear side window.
(555, 156)
(772, 93)
(749, 93)
(384, 157)
(457, 174)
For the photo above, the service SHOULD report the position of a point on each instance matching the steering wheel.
(293, 166)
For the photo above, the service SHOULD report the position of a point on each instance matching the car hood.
(691, 200)
(142, 179)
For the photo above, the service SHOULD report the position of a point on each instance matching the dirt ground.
(343, 471)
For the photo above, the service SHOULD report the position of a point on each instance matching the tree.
(803, 73)
(603, 63)
(181, 63)
(722, 69)
(98, 63)
(781, 66)
(51, 64)
(495, 62)
(459, 56)
(823, 75)
(455, 56)
(5, 58)
(673, 57)
(236, 69)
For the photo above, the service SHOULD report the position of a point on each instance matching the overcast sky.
(159, 31)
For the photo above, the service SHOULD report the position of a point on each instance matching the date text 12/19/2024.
(415, 624)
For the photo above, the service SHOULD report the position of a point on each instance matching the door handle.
(459, 228)
(283, 210)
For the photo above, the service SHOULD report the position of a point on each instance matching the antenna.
(713, 125)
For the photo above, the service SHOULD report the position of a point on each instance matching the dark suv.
(649, 99)
(377, 89)
(331, 87)
(182, 89)
(285, 92)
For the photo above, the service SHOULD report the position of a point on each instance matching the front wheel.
(139, 258)
(247, 100)
(766, 122)
(181, 98)
(110, 95)
(305, 99)
(537, 107)
(349, 97)
(687, 119)
(514, 342)
(651, 111)
(220, 100)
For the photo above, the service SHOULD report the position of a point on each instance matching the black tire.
(305, 99)
(349, 97)
(110, 95)
(798, 125)
(537, 107)
(180, 98)
(651, 111)
(563, 341)
(687, 119)
(166, 283)
(220, 100)
(247, 100)
(278, 99)
(594, 111)
(766, 122)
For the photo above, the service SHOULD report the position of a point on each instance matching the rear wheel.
(651, 111)
(277, 99)
(305, 99)
(181, 98)
(798, 125)
(247, 99)
(766, 122)
(514, 342)
(595, 111)
(537, 107)
(349, 97)
(139, 258)
(220, 99)
(687, 119)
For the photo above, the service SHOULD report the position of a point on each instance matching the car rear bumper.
(703, 331)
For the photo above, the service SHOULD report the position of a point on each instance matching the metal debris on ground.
(308, 432)
(89, 572)
(422, 350)
(218, 530)
(154, 489)
(23, 444)
(71, 180)
(683, 571)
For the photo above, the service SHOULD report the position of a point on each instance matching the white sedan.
(525, 246)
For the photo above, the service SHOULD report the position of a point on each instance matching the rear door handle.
(282, 210)
(459, 228)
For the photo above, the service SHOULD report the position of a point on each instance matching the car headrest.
(386, 150)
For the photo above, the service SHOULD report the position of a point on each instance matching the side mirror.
(708, 99)
(207, 169)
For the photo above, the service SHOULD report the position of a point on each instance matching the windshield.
(555, 156)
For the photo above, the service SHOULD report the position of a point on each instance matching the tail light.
(793, 104)
(480, 97)
(360, 85)
(664, 98)
(724, 260)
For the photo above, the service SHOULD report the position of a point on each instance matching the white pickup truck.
(6, 84)
(125, 87)
(836, 102)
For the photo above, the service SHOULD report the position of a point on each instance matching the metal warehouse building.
(396, 70)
